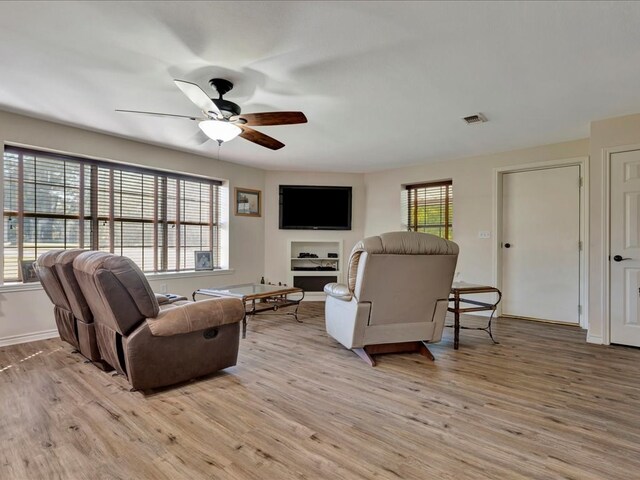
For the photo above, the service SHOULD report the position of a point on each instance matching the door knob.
(507, 245)
(618, 258)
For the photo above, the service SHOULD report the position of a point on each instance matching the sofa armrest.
(196, 316)
(339, 291)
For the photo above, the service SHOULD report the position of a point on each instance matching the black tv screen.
(304, 207)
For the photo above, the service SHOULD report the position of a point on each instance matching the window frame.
(212, 202)
(413, 197)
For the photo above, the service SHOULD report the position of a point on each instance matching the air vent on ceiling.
(473, 119)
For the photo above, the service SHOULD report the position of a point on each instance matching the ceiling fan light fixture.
(220, 131)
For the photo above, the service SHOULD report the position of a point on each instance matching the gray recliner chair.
(396, 295)
(153, 346)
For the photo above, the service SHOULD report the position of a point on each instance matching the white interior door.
(541, 244)
(625, 248)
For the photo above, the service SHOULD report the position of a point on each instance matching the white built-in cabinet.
(327, 263)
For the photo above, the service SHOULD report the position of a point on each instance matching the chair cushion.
(352, 271)
(397, 243)
(338, 290)
(64, 268)
(126, 273)
(49, 279)
(407, 243)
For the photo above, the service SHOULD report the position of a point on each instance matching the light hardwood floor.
(542, 404)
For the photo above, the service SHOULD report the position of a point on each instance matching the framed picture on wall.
(28, 272)
(248, 202)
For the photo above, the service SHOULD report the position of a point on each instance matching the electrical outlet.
(484, 234)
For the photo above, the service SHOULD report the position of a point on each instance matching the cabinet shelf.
(312, 281)
(315, 258)
(315, 273)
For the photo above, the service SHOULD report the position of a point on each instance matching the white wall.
(276, 256)
(473, 180)
(29, 312)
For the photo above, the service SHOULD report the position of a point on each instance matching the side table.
(462, 288)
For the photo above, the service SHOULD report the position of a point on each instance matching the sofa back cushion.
(397, 243)
(45, 269)
(77, 301)
(116, 290)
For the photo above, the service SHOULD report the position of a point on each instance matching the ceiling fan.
(222, 120)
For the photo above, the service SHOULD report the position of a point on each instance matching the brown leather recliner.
(72, 313)
(150, 345)
(81, 311)
(45, 268)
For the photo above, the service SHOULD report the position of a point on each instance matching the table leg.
(244, 325)
(295, 313)
(456, 319)
(488, 329)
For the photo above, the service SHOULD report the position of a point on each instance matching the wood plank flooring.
(543, 404)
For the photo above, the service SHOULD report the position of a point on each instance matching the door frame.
(583, 163)
(605, 232)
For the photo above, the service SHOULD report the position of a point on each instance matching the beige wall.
(276, 240)
(29, 312)
(473, 188)
(605, 134)
(258, 247)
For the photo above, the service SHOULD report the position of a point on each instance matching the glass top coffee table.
(258, 299)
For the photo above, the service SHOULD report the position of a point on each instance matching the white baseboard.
(28, 337)
(596, 339)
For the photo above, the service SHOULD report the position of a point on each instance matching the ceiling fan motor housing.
(227, 108)
(223, 86)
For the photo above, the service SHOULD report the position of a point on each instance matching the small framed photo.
(204, 260)
(248, 202)
(28, 272)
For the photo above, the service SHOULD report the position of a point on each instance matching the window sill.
(20, 287)
(25, 287)
(188, 274)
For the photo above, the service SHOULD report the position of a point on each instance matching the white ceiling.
(383, 84)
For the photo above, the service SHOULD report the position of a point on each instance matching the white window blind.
(157, 219)
(429, 208)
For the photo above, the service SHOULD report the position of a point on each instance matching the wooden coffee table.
(463, 288)
(258, 299)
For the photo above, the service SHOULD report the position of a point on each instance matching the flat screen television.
(307, 207)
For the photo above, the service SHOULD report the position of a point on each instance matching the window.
(429, 208)
(157, 219)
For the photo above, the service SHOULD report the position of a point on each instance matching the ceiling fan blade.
(198, 96)
(274, 118)
(260, 138)
(155, 114)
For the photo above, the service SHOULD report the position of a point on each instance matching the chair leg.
(364, 356)
(425, 352)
